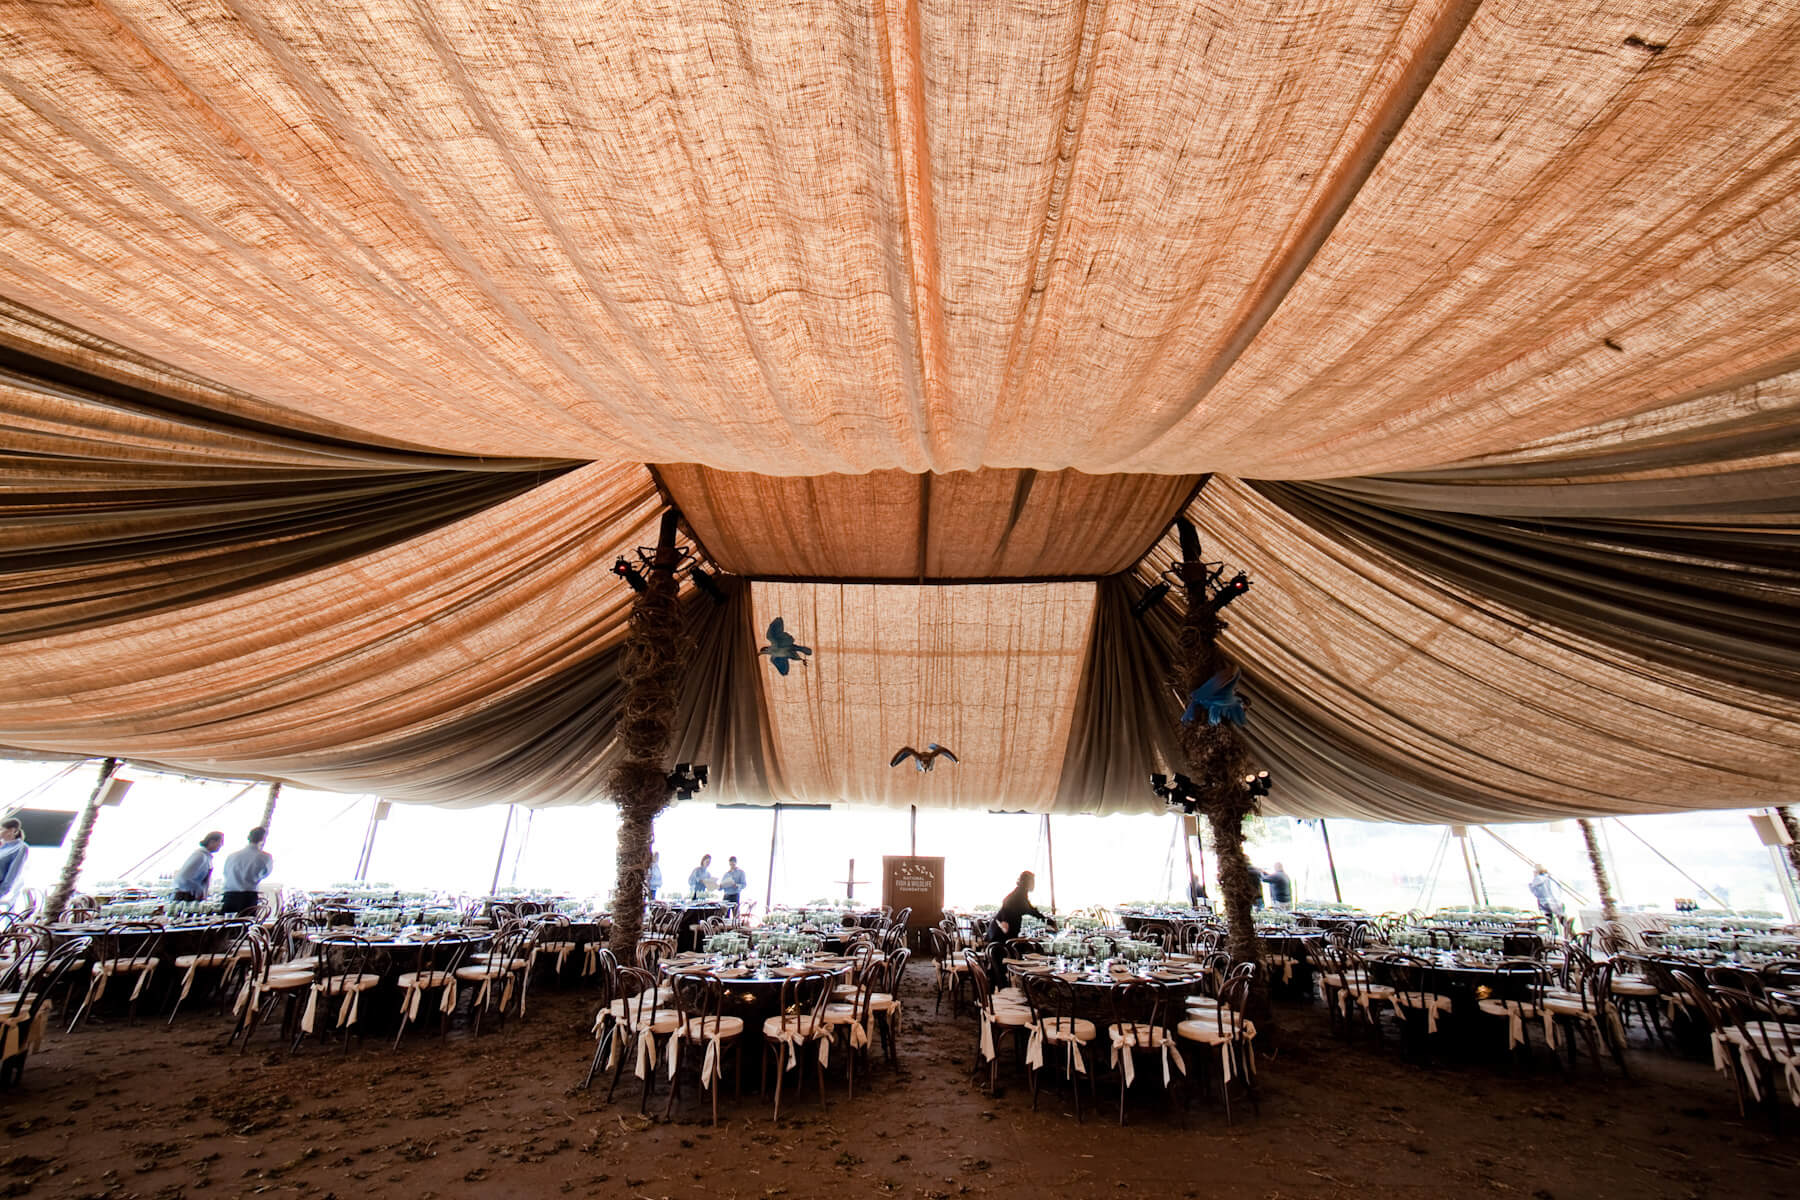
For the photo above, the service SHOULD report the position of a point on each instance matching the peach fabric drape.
(344, 345)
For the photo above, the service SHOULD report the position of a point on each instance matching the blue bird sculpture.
(782, 649)
(1217, 700)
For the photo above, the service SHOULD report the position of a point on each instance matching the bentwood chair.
(265, 983)
(639, 1025)
(856, 1016)
(798, 1027)
(440, 956)
(994, 1018)
(1140, 1023)
(231, 947)
(952, 971)
(701, 1035)
(502, 976)
(25, 1013)
(608, 1016)
(1226, 1030)
(1519, 987)
(1058, 1036)
(339, 981)
(1764, 1037)
(128, 950)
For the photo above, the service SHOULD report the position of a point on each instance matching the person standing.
(732, 883)
(244, 872)
(1543, 888)
(1281, 888)
(700, 880)
(1009, 921)
(13, 853)
(653, 877)
(195, 875)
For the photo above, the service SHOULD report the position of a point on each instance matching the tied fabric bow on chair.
(793, 1037)
(646, 1054)
(987, 1036)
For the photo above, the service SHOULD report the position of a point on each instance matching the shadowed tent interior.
(344, 348)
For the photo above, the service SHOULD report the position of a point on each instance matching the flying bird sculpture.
(782, 649)
(927, 757)
(1217, 700)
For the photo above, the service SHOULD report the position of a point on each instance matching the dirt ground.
(142, 1111)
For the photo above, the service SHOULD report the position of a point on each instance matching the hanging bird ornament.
(1216, 700)
(782, 650)
(927, 757)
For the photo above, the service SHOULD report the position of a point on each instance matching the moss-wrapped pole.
(1792, 825)
(1217, 761)
(1609, 907)
(269, 808)
(639, 781)
(78, 844)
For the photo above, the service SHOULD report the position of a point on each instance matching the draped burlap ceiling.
(343, 346)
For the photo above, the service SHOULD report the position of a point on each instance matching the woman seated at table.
(1008, 922)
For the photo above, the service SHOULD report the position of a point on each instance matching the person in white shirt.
(13, 853)
(195, 875)
(244, 872)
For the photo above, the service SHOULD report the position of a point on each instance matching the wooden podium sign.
(911, 881)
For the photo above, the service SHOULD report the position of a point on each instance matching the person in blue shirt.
(195, 875)
(13, 853)
(245, 871)
(731, 883)
(1543, 888)
(653, 877)
(699, 879)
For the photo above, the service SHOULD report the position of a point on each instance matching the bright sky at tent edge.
(316, 838)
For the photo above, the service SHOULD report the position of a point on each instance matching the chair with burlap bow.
(231, 946)
(798, 1028)
(501, 977)
(341, 979)
(26, 1012)
(261, 983)
(607, 1017)
(1058, 1038)
(1585, 1009)
(1224, 1029)
(1140, 1025)
(1417, 1009)
(128, 952)
(1517, 995)
(1763, 1032)
(639, 1028)
(952, 970)
(440, 956)
(854, 1019)
(702, 1035)
(994, 1018)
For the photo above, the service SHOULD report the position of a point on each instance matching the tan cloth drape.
(334, 340)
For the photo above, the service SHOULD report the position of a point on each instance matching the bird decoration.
(1217, 700)
(782, 650)
(927, 757)
(630, 574)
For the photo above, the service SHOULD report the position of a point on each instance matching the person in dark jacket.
(1009, 921)
(1281, 888)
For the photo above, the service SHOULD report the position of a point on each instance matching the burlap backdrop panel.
(832, 237)
(968, 524)
(990, 671)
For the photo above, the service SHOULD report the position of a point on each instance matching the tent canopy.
(344, 346)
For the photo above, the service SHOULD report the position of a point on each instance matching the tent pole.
(505, 832)
(524, 841)
(368, 846)
(269, 807)
(774, 832)
(1480, 877)
(915, 831)
(1462, 836)
(1609, 907)
(1331, 861)
(1050, 860)
(1785, 814)
(1187, 848)
(84, 829)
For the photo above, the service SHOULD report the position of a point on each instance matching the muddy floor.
(116, 1111)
